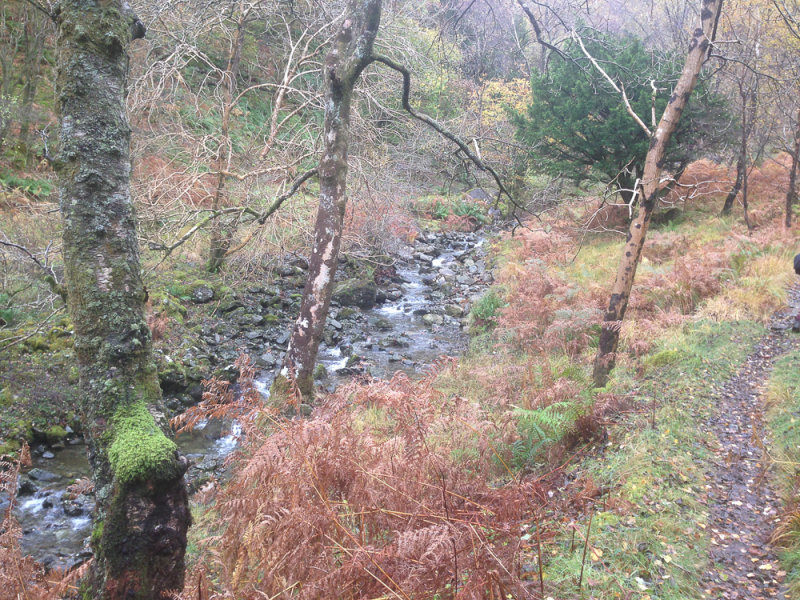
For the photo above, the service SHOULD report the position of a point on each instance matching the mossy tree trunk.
(142, 517)
(791, 193)
(351, 53)
(654, 163)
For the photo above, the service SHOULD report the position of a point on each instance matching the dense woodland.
(486, 299)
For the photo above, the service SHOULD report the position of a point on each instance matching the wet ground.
(744, 506)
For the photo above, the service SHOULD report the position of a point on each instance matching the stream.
(435, 284)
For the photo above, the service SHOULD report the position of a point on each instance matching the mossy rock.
(9, 447)
(55, 434)
(201, 292)
(662, 359)
(36, 343)
(356, 292)
(347, 312)
(172, 376)
(165, 303)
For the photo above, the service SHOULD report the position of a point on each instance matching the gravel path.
(744, 506)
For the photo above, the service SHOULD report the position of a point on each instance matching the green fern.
(541, 427)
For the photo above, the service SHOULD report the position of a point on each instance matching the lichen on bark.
(350, 54)
(142, 514)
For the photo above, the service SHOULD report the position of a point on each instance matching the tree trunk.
(142, 515)
(737, 185)
(351, 53)
(221, 233)
(36, 29)
(791, 193)
(654, 163)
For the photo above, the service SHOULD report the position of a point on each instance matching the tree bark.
(351, 53)
(220, 230)
(142, 515)
(791, 193)
(654, 164)
(737, 185)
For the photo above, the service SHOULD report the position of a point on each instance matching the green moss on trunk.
(142, 504)
(140, 451)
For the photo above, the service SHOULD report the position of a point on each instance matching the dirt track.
(744, 507)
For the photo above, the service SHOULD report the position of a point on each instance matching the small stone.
(383, 324)
(72, 509)
(251, 319)
(397, 343)
(270, 301)
(48, 455)
(335, 324)
(231, 306)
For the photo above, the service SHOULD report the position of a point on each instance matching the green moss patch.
(140, 450)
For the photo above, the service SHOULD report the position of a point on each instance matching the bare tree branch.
(537, 30)
(618, 88)
(462, 145)
(258, 217)
(42, 9)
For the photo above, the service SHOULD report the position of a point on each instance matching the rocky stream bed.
(402, 317)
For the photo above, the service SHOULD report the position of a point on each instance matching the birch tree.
(650, 188)
(142, 515)
(348, 57)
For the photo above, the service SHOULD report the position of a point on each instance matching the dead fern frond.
(336, 506)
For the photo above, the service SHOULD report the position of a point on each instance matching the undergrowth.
(783, 398)
(647, 531)
(367, 498)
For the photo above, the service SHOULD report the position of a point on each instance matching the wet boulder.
(26, 488)
(433, 319)
(356, 292)
(202, 294)
(43, 476)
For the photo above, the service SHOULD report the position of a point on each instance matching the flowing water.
(387, 338)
